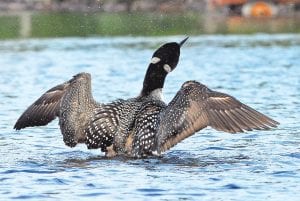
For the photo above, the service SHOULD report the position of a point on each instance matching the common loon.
(144, 125)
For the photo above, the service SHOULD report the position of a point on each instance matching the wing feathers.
(239, 122)
(195, 106)
(235, 127)
(43, 110)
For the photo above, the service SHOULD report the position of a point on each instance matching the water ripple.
(232, 186)
(28, 171)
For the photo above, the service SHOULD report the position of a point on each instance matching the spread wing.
(195, 107)
(43, 110)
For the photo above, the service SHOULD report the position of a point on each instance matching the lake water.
(262, 71)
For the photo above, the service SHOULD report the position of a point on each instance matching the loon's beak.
(183, 41)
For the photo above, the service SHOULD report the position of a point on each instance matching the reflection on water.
(260, 70)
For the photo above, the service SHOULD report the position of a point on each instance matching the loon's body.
(143, 125)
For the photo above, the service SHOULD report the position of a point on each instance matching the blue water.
(262, 71)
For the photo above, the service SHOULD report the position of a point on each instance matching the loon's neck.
(154, 80)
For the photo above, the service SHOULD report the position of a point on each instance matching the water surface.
(262, 71)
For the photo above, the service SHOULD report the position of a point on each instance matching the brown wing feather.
(43, 110)
(195, 106)
(237, 117)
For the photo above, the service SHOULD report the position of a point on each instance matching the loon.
(144, 125)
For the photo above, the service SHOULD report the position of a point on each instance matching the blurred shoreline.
(103, 5)
(63, 18)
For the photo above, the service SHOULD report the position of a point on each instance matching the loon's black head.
(163, 61)
(167, 56)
